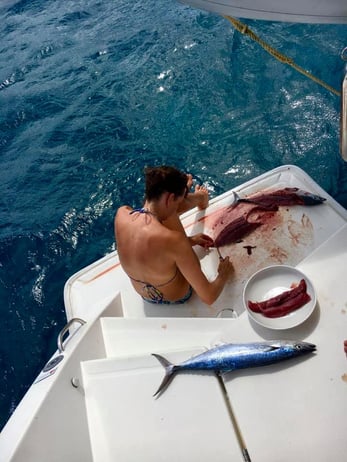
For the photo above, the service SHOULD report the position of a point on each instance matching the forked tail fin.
(170, 370)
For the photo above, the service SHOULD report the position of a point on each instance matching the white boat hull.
(303, 11)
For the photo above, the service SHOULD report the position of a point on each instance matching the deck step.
(132, 336)
(187, 422)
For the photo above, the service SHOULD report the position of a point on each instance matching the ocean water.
(92, 91)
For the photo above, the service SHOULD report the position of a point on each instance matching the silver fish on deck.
(233, 356)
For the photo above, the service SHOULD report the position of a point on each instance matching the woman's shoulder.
(122, 210)
(172, 240)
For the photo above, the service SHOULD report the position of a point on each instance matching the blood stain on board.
(249, 248)
(278, 254)
(300, 232)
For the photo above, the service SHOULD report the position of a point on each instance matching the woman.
(154, 249)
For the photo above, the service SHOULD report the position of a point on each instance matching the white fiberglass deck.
(293, 235)
(296, 410)
(291, 411)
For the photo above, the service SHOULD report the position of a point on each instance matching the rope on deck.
(244, 29)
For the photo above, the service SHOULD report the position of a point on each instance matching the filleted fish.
(231, 228)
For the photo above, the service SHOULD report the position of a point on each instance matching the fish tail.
(170, 370)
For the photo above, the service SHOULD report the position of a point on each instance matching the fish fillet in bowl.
(279, 297)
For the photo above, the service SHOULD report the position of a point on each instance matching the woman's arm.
(201, 239)
(189, 265)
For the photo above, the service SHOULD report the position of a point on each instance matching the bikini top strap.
(139, 210)
(168, 282)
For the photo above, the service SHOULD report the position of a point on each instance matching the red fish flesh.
(267, 202)
(283, 197)
(284, 303)
(234, 231)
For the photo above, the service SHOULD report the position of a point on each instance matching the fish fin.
(218, 343)
(170, 370)
(223, 373)
(272, 347)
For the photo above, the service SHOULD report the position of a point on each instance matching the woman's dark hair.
(164, 179)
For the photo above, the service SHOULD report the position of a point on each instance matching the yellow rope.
(244, 29)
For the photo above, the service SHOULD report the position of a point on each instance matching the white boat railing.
(64, 330)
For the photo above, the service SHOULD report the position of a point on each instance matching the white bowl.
(271, 281)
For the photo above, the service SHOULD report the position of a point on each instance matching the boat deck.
(291, 411)
(99, 398)
(288, 238)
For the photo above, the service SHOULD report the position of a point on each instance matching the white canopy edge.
(303, 11)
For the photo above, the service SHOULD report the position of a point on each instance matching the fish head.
(309, 198)
(297, 347)
(304, 347)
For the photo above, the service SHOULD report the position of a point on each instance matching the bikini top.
(152, 291)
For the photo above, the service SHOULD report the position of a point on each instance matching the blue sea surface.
(92, 91)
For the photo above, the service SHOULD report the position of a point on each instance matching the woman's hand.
(225, 268)
(201, 239)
